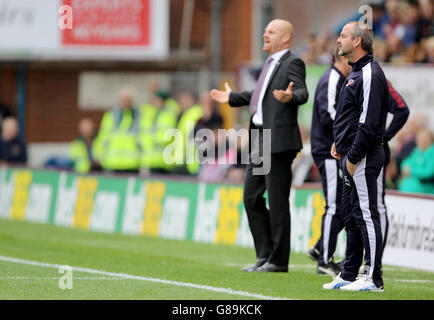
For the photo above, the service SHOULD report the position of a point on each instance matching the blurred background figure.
(194, 59)
(185, 149)
(237, 171)
(211, 117)
(13, 150)
(153, 140)
(81, 149)
(405, 144)
(418, 169)
(224, 156)
(4, 113)
(117, 147)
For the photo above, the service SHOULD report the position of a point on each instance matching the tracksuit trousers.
(331, 223)
(361, 217)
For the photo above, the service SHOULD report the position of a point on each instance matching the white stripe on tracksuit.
(363, 195)
(380, 204)
(331, 93)
(367, 76)
(332, 184)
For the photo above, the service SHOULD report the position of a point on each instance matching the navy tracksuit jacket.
(324, 112)
(358, 133)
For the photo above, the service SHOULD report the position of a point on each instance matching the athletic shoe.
(331, 269)
(340, 264)
(363, 283)
(313, 253)
(363, 271)
(336, 284)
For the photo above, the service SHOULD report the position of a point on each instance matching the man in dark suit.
(274, 102)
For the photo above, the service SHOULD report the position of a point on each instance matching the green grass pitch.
(143, 259)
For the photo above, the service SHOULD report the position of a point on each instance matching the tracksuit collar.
(359, 64)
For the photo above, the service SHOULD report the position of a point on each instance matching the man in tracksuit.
(324, 112)
(400, 111)
(358, 134)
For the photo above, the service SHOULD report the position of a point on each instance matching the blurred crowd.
(132, 136)
(140, 138)
(403, 29)
(134, 139)
(411, 167)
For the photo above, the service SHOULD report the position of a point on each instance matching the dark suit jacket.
(281, 118)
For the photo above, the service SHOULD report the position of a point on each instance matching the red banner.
(108, 22)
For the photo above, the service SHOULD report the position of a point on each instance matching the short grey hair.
(365, 34)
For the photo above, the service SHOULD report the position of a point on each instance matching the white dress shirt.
(257, 117)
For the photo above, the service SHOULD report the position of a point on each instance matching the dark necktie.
(255, 96)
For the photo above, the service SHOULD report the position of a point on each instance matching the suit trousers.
(361, 217)
(270, 227)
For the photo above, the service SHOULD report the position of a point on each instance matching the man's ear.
(287, 38)
(358, 42)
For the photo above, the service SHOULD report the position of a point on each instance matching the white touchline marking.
(414, 281)
(57, 278)
(156, 280)
(291, 266)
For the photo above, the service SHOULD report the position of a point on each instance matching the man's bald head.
(285, 26)
(278, 35)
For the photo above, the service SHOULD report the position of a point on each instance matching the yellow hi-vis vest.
(117, 146)
(185, 148)
(79, 154)
(153, 155)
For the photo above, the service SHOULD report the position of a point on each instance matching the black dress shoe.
(253, 268)
(269, 267)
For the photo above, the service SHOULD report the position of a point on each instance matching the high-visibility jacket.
(117, 146)
(153, 154)
(147, 114)
(173, 105)
(185, 150)
(78, 152)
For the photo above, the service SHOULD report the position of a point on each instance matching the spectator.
(409, 16)
(237, 172)
(13, 150)
(211, 117)
(418, 168)
(4, 113)
(218, 164)
(406, 142)
(187, 120)
(309, 55)
(154, 142)
(81, 149)
(324, 47)
(381, 52)
(379, 18)
(116, 145)
(429, 48)
(425, 23)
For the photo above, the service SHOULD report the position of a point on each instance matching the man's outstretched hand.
(221, 96)
(284, 96)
